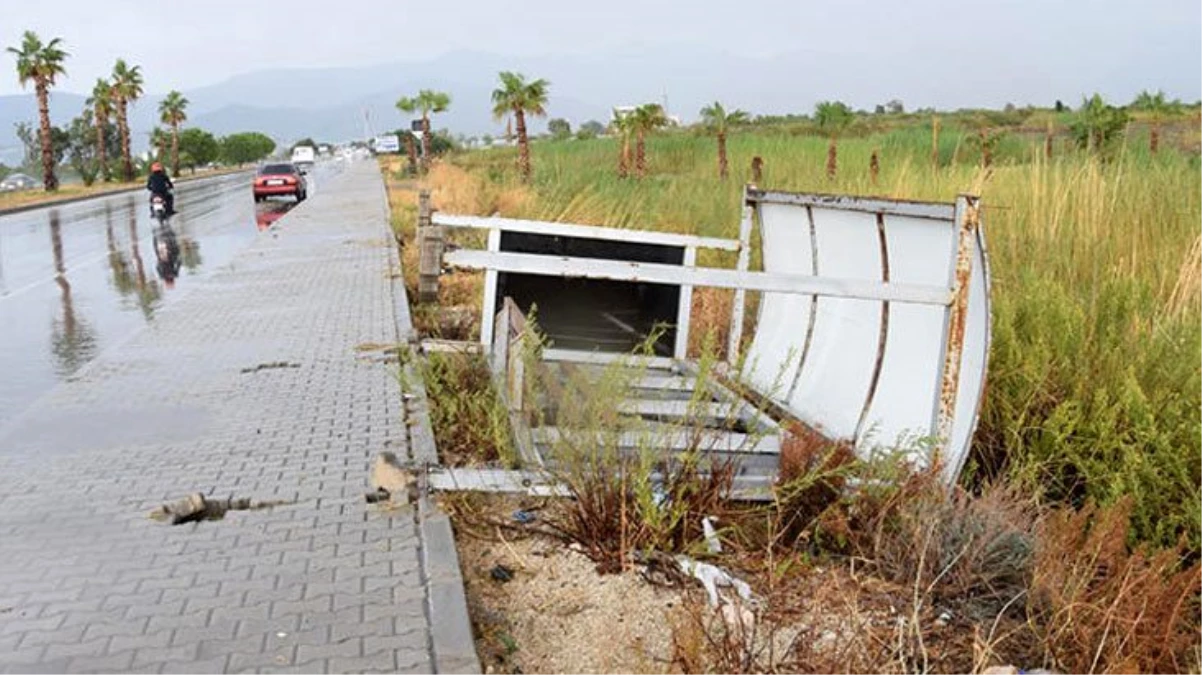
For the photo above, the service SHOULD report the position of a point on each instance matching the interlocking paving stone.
(317, 584)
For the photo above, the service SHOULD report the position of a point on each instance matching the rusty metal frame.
(967, 217)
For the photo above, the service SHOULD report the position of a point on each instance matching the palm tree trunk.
(523, 145)
(49, 181)
(1047, 142)
(123, 129)
(101, 160)
(425, 142)
(640, 155)
(412, 149)
(1154, 139)
(175, 149)
(624, 158)
(832, 161)
(723, 170)
(874, 167)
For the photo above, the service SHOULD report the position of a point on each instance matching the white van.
(303, 156)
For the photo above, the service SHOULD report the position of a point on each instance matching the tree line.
(97, 142)
(1095, 127)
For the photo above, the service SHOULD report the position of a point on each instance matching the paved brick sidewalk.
(248, 386)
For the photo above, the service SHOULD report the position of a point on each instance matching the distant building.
(621, 111)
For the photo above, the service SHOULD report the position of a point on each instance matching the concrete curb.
(108, 193)
(452, 645)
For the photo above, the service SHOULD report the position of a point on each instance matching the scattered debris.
(524, 517)
(271, 365)
(388, 479)
(378, 347)
(501, 573)
(660, 569)
(711, 536)
(712, 578)
(195, 507)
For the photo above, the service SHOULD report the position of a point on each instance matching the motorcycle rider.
(159, 183)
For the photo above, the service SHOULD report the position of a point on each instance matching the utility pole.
(368, 132)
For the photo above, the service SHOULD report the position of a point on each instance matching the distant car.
(17, 181)
(280, 179)
(303, 156)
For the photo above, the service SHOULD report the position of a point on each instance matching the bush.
(1097, 606)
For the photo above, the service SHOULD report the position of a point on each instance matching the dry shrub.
(1098, 606)
(705, 641)
(824, 622)
(812, 478)
(969, 553)
(619, 507)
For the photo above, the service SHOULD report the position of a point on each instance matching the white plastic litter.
(712, 578)
(711, 537)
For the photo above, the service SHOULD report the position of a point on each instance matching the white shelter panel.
(903, 406)
(784, 318)
(832, 385)
(974, 361)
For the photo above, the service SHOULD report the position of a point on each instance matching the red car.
(280, 179)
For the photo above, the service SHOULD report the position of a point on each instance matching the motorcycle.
(158, 209)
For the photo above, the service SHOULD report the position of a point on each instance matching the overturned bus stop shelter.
(872, 329)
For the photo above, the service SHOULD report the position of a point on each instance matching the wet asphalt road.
(79, 278)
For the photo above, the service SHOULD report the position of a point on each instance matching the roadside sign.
(387, 143)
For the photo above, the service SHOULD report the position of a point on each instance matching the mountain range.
(351, 102)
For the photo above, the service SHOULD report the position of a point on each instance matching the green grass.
(1094, 387)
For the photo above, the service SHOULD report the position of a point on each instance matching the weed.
(471, 425)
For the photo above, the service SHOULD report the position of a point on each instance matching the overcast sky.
(181, 45)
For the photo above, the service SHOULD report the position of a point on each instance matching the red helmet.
(157, 166)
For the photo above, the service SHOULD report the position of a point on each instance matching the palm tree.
(427, 101)
(518, 97)
(41, 63)
(127, 88)
(172, 111)
(623, 126)
(834, 117)
(1157, 108)
(645, 119)
(718, 120)
(159, 140)
(101, 103)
